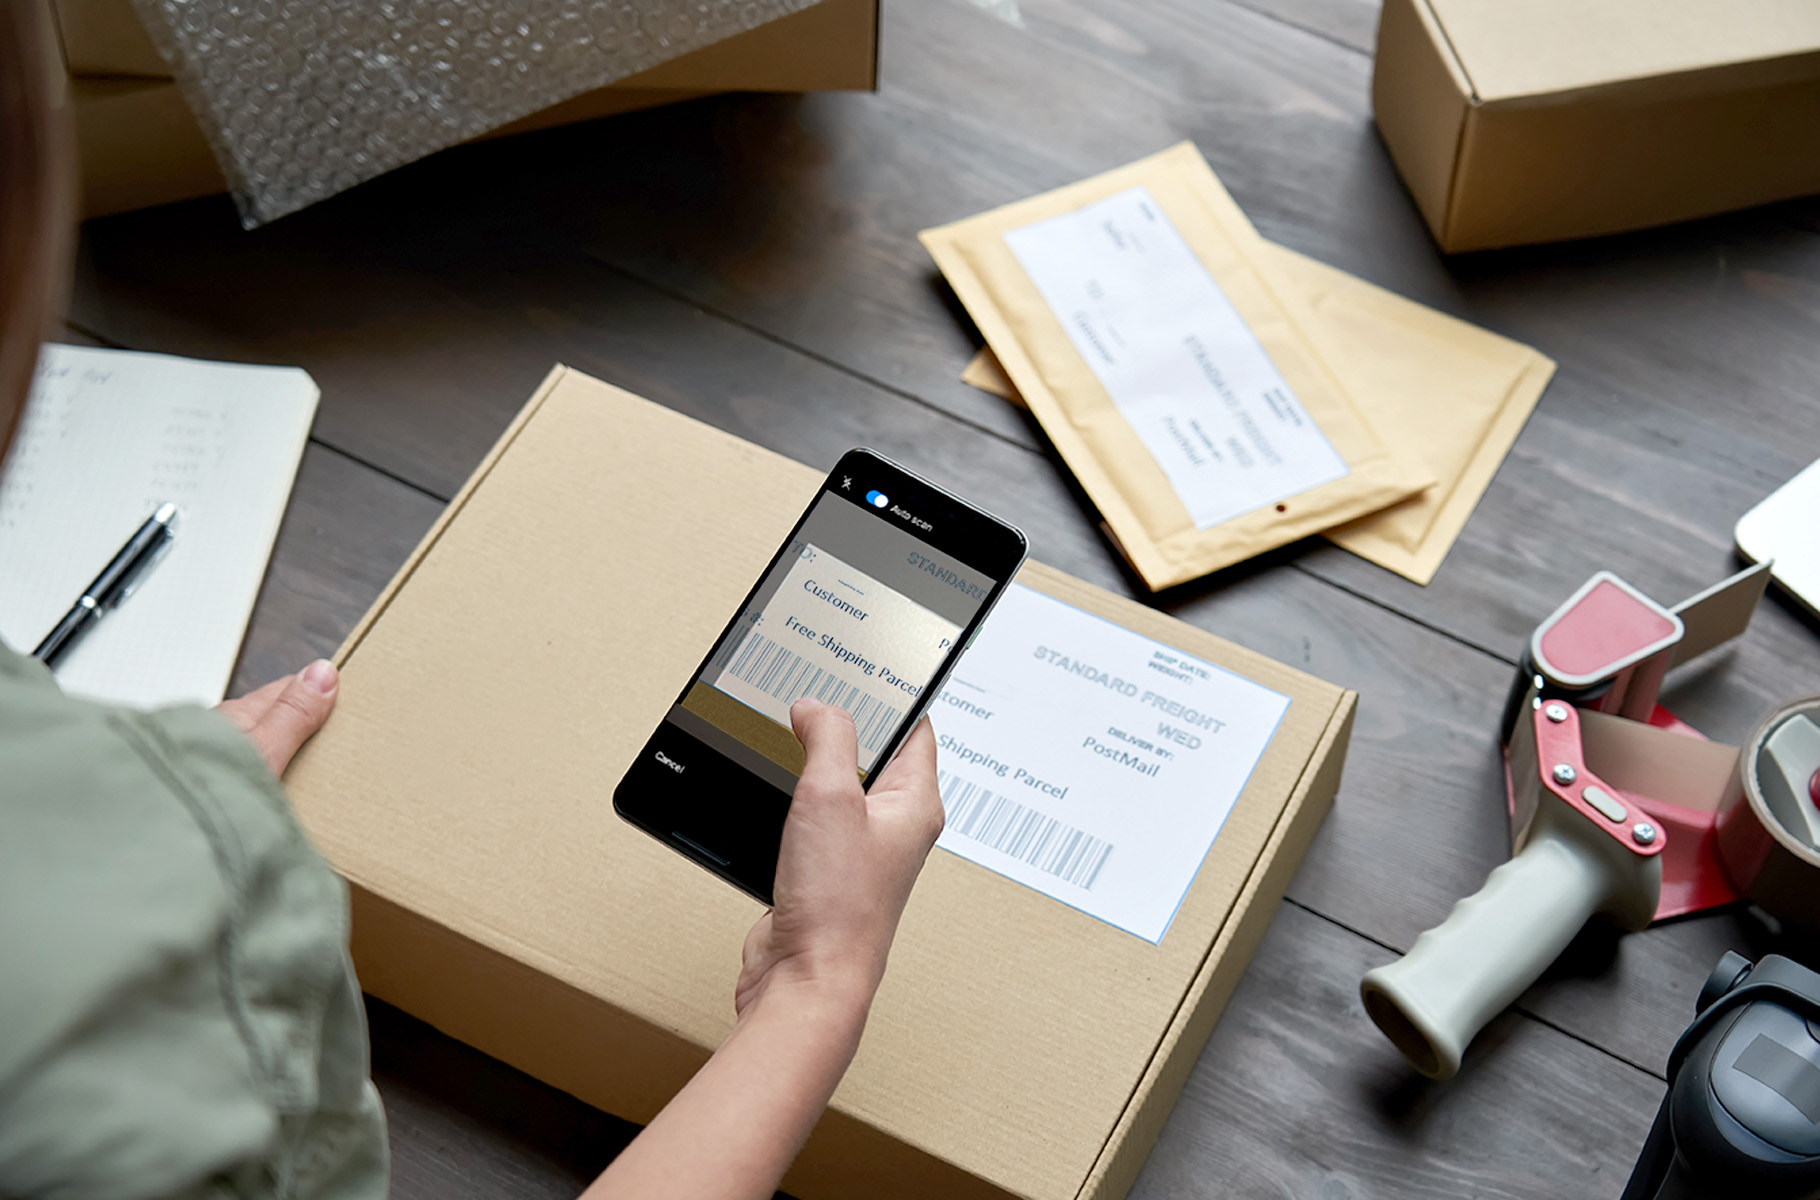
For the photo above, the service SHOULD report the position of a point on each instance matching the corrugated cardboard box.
(499, 688)
(1548, 119)
(105, 37)
(139, 145)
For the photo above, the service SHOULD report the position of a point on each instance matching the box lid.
(1540, 47)
(496, 693)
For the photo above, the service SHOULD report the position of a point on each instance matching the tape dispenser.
(1617, 808)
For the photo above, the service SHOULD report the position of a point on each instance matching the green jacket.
(178, 1014)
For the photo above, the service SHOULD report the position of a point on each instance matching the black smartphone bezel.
(718, 814)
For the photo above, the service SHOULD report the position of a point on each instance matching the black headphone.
(1742, 1113)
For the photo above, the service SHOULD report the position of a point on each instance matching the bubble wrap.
(302, 99)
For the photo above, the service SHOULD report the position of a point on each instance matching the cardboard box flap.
(140, 144)
(818, 48)
(497, 691)
(1542, 47)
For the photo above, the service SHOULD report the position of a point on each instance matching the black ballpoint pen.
(116, 581)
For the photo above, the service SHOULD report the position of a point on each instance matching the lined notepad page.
(106, 438)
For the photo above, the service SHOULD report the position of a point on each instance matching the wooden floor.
(752, 261)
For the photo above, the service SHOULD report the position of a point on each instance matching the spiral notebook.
(107, 437)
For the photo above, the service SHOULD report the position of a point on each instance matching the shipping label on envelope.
(1236, 394)
(1178, 360)
(1203, 424)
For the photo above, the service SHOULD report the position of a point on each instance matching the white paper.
(1175, 356)
(1092, 763)
(106, 438)
(834, 632)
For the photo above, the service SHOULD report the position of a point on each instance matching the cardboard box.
(139, 145)
(498, 689)
(1548, 119)
(106, 37)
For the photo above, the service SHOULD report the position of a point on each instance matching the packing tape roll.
(1773, 867)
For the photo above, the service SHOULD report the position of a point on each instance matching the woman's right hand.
(848, 861)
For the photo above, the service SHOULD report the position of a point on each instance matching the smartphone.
(868, 604)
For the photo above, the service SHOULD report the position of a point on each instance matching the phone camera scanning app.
(855, 613)
(841, 635)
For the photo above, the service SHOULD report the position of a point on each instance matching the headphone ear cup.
(1727, 974)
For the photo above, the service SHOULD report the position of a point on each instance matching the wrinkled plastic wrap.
(302, 99)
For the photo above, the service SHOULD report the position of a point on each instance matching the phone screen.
(854, 613)
(872, 596)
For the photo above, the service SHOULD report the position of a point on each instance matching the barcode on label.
(1009, 827)
(782, 673)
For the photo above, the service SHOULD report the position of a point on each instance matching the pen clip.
(164, 548)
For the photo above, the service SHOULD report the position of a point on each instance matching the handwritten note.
(108, 436)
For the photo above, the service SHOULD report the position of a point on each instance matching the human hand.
(281, 716)
(848, 861)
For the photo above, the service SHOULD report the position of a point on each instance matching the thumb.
(830, 748)
(297, 712)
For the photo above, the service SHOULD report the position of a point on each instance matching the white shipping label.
(1092, 763)
(1175, 356)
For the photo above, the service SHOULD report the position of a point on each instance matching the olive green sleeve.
(178, 1015)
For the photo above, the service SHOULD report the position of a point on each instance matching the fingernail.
(320, 676)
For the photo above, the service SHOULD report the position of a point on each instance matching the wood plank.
(796, 215)
(1697, 336)
(799, 216)
(1295, 1094)
(466, 1125)
(780, 243)
(419, 372)
(1352, 23)
(1419, 822)
(347, 531)
(430, 302)
(1683, 395)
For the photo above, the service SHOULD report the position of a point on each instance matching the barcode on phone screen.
(778, 672)
(1022, 832)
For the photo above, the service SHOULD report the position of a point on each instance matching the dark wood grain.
(799, 216)
(1296, 1094)
(1686, 354)
(420, 367)
(752, 261)
(347, 531)
(1698, 336)
(1352, 23)
(466, 1125)
(1419, 823)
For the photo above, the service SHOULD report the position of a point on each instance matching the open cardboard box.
(139, 146)
(1548, 119)
(499, 688)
